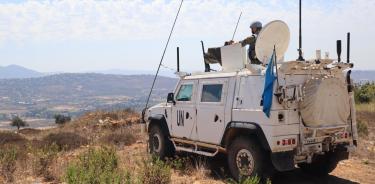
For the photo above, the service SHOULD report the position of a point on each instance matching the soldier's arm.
(248, 41)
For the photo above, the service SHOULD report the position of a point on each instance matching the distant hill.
(74, 94)
(363, 75)
(33, 94)
(17, 72)
(166, 73)
(71, 85)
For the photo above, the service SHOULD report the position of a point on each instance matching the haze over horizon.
(81, 36)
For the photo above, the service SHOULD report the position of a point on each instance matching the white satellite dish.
(275, 33)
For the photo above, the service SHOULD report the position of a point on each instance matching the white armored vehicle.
(311, 121)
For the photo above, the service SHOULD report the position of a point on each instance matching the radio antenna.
(161, 60)
(300, 57)
(235, 30)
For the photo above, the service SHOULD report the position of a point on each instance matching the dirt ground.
(350, 171)
(360, 168)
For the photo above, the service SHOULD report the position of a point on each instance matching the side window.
(211, 92)
(185, 92)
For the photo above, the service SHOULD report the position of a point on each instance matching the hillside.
(76, 93)
(81, 85)
(363, 75)
(19, 72)
(35, 95)
(113, 147)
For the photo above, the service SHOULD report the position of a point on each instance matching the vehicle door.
(210, 109)
(184, 111)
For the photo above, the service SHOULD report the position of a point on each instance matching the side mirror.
(170, 98)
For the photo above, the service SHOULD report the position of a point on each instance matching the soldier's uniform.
(251, 52)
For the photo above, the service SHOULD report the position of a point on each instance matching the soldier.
(255, 29)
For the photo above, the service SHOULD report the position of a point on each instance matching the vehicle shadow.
(298, 177)
(219, 170)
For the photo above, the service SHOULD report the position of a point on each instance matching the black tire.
(242, 151)
(321, 165)
(159, 143)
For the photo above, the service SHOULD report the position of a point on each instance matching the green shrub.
(8, 158)
(249, 180)
(364, 93)
(180, 164)
(362, 128)
(155, 171)
(62, 119)
(97, 166)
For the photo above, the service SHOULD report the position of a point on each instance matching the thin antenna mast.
(235, 30)
(161, 60)
(300, 57)
(348, 48)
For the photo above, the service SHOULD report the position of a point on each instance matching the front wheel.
(245, 158)
(159, 144)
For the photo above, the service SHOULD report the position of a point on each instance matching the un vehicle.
(311, 123)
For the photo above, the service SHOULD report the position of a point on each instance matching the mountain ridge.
(16, 71)
(20, 72)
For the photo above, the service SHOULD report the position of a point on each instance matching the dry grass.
(118, 139)
(45, 154)
(50, 152)
(29, 131)
(365, 107)
(366, 130)
(65, 140)
(11, 138)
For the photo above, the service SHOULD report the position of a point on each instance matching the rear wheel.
(159, 144)
(245, 158)
(321, 165)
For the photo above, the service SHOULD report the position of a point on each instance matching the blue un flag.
(268, 86)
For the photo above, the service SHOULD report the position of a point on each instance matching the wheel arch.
(252, 129)
(158, 120)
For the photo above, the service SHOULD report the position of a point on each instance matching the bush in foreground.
(362, 128)
(155, 171)
(250, 180)
(97, 166)
(43, 157)
(8, 158)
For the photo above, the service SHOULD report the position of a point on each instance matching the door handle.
(187, 115)
(216, 118)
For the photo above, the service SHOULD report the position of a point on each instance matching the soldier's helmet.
(256, 24)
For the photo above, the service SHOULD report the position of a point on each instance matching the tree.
(61, 119)
(18, 122)
(365, 93)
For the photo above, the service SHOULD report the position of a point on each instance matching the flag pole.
(278, 92)
(275, 64)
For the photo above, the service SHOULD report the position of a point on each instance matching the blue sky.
(87, 35)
